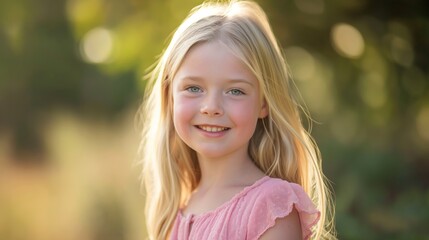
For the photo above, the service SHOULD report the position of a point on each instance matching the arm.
(288, 227)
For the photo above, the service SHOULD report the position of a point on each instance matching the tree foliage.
(361, 67)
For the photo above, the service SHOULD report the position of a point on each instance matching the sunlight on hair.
(347, 40)
(96, 45)
(171, 170)
(372, 88)
(301, 62)
(422, 123)
(311, 6)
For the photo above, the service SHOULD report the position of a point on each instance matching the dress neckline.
(237, 196)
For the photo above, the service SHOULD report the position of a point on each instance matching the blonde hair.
(280, 146)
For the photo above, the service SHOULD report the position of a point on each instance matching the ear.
(264, 109)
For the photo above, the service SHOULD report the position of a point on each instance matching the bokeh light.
(347, 40)
(310, 6)
(84, 14)
(71, 78)
(314, 80)
(97, 45)
(301, 62)
(422, 123)
(372, 89)
(401, 50)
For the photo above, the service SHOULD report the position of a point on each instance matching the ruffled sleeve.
(276, 199)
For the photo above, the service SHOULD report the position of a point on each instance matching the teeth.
(213, 129)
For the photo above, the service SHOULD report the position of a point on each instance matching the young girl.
(225, 154)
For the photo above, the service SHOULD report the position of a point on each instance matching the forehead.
(214, 60)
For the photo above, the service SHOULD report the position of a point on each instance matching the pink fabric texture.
(249, 213)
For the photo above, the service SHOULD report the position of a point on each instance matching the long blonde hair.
(280, 146)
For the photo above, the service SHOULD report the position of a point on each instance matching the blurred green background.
(71, 78)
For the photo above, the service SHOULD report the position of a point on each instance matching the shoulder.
(279, 192)
(280, 207)
(288, 227)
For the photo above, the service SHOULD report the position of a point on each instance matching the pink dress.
(249, 213)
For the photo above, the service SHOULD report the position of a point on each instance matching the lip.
(212, 130)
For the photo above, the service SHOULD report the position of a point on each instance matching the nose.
(212, 105)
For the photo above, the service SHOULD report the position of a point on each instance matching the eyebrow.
(232, 80)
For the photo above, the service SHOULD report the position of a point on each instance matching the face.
(216, 102)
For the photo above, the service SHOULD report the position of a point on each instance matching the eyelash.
(192, 88)
(195, 89)
(238, 92)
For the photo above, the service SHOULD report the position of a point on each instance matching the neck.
(228, 171)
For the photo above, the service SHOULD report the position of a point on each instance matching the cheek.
(183, 112)
(245, 115)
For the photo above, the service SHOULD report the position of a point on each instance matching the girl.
(225, 155)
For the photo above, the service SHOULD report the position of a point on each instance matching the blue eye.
(193, 89)
(236, 92)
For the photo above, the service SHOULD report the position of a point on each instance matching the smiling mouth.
(213, 129)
